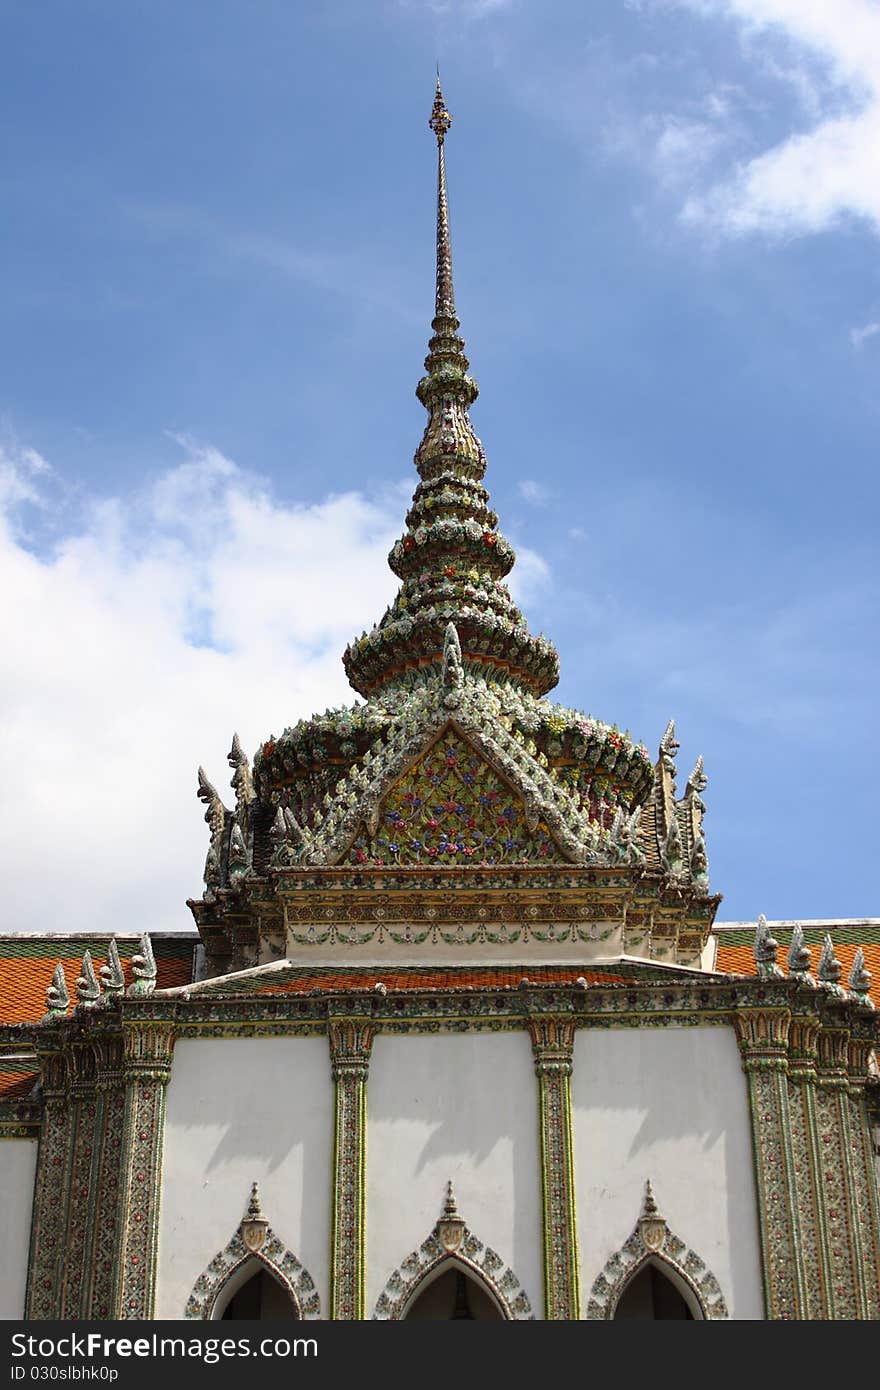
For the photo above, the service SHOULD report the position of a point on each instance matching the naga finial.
(88, 989)
(239, 863)
(698, 781)
(143, 966)
(206, 792)
(57, 996)
(112, 977)
(860, 979)
(799, 956)
(666, 770)
(829, 969)
(765, 951)
(669, 744)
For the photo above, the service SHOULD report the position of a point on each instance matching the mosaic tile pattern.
(451, 807)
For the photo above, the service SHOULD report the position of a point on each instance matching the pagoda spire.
(446, 348)
(452, 559)
(444, 303)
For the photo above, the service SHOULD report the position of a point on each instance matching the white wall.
(18, 1164)
(459, 1106)
(242, 1110)
(670, 1105)
(665, 1104)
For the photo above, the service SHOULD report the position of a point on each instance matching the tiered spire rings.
(452, 559)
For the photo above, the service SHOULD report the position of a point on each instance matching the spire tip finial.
(440, 118)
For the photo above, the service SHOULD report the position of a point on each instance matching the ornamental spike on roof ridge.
(452, 559)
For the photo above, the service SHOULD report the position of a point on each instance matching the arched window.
(255, 1294)
(254, 1276)
(652, 1294)
(453, 1294)
(655, 1276)
(453, 1276)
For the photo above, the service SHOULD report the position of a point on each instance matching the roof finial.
(440, 118)
(452, 549)
(440, 122)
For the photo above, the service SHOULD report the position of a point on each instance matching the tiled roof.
(437, 979)
(17, 1077)
(27, 963)
(736, 945)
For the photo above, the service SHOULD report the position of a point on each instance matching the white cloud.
(812, 179)
(136, 645)
(533, 492)
(529, 576)
(19, 472)
(133, 650)
(858, 336)
(684, 147)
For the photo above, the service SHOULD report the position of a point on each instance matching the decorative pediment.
(457, 789)
(452, 805)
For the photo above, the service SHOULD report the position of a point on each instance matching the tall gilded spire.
(444, 304)
(452, 559)
(446, 349)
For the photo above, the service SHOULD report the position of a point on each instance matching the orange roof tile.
(436, 979)
(26, 966)
(16, 1085)
(739, 959)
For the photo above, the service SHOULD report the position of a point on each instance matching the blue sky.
(217, 281)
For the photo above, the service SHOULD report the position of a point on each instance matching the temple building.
(457, 1035)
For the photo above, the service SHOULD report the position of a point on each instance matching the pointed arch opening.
(254, 1277)
(254, 1293)
(453, 1292)
(655, 1292)
(453, 1276)
(655, 1276)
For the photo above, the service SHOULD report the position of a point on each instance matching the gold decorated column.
(762, 1034)
(49, 1224)
(802, 1057)
(351, 1041)
(553, 1047)
(863, 1167)
(147, 1049)
(98, 1286)
(836, 1158)
(82, 1132)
